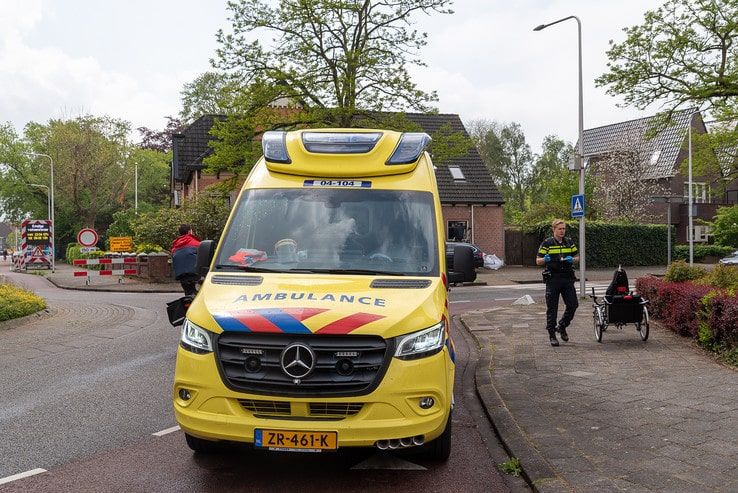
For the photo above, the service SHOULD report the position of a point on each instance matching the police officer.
(558, 254)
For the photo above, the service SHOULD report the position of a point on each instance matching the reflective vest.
(558, 251)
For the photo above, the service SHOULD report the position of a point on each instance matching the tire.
(439, 449)
(643, 327)
(598, 324)
(201, 446)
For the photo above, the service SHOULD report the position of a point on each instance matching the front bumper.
(391, 411)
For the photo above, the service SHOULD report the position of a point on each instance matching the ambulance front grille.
(316, 410)
(345, 365)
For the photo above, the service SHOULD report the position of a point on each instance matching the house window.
(456, 173)
(457, 230)
(700, 192)
(701, 233)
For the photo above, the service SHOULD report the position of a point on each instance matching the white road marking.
(21, 475)
(460, 301)
(166, 432)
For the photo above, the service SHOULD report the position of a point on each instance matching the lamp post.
(582, 256)
(48, 198)
(53, 225)
(668, 200)
(135, 193)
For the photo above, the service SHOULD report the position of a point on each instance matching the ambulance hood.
(318, 303)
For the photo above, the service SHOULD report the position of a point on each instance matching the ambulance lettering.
(336, 298)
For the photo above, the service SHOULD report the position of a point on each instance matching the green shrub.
(148, 248)
(16, 302)
(725, 227)
(680, 271)
(699, 252)
(722, 276)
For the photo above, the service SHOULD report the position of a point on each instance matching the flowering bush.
(16, 302)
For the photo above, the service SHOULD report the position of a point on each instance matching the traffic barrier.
(126, 262)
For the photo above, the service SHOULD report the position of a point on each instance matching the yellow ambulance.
(323, 319)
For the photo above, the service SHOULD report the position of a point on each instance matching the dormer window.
(456, 173)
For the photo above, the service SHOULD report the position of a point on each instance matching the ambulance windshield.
(357, 231)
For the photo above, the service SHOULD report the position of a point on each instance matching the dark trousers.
(565, 288)
(189, 284)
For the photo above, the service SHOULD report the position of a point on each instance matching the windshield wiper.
(248, 268)
(365, 272)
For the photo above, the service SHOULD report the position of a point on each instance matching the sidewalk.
(621, 415)
(63, 278)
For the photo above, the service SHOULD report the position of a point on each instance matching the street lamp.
(53, 225)
(582, 257)
(668, 200)
(48, 198)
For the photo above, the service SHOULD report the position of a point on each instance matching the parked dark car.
(730, 259)
(477, 252)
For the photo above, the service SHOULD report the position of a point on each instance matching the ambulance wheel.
(200, 445)
(439, 449)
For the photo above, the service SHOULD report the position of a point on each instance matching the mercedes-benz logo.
(297, 360)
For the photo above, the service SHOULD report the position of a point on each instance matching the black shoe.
(553, 340)
(564, 335)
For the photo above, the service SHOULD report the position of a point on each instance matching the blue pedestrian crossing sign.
(577, 205)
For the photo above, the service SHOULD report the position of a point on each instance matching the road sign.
(87, 237)
(577, 205)
(121, 243)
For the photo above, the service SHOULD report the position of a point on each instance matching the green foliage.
(148, 248)
(613, 244)
(699, 252)
(207, 215)
(680, 271)
(511, 466)
(122, 224)
(684, 54)
(16, 302)
(722, 276)
(725, 226)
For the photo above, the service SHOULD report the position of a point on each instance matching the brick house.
(667, 149)
(471, 203)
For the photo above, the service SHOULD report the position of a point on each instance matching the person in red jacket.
(184, 259)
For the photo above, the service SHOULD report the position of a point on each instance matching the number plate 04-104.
(302, 441)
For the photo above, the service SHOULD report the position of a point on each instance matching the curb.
(111, 290)
(536, 471)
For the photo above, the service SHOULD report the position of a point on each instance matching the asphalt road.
(87, 389)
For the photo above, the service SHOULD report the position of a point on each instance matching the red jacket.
(186, 240)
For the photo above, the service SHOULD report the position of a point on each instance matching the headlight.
(195, 338)
(422, 343)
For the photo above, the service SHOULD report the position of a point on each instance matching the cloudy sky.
(130, 59)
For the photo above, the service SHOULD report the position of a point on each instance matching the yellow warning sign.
(121, 244)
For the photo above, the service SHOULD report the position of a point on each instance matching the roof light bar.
(340, 142)
(274, 145)
(410, 147)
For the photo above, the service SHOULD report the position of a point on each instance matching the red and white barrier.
(126, 261)
(104, 261)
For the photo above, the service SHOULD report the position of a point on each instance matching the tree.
(685, 54)
(160, 140)
(622, 189)
(725, 226)
(328, 64)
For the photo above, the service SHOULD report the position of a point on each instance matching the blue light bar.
(274, 145)
(410, 147)
(340, 142)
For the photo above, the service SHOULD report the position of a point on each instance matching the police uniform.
(559, 277)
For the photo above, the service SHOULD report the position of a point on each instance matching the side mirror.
(463, 265)
(205, 253)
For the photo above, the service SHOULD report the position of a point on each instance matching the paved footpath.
(621, 415)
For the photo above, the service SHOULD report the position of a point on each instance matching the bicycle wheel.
(643, 326)
(598, 324)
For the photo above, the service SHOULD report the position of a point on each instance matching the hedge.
(700, 311)
(613, 244)
(699, 252)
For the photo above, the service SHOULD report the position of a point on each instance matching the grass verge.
(16, 302)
